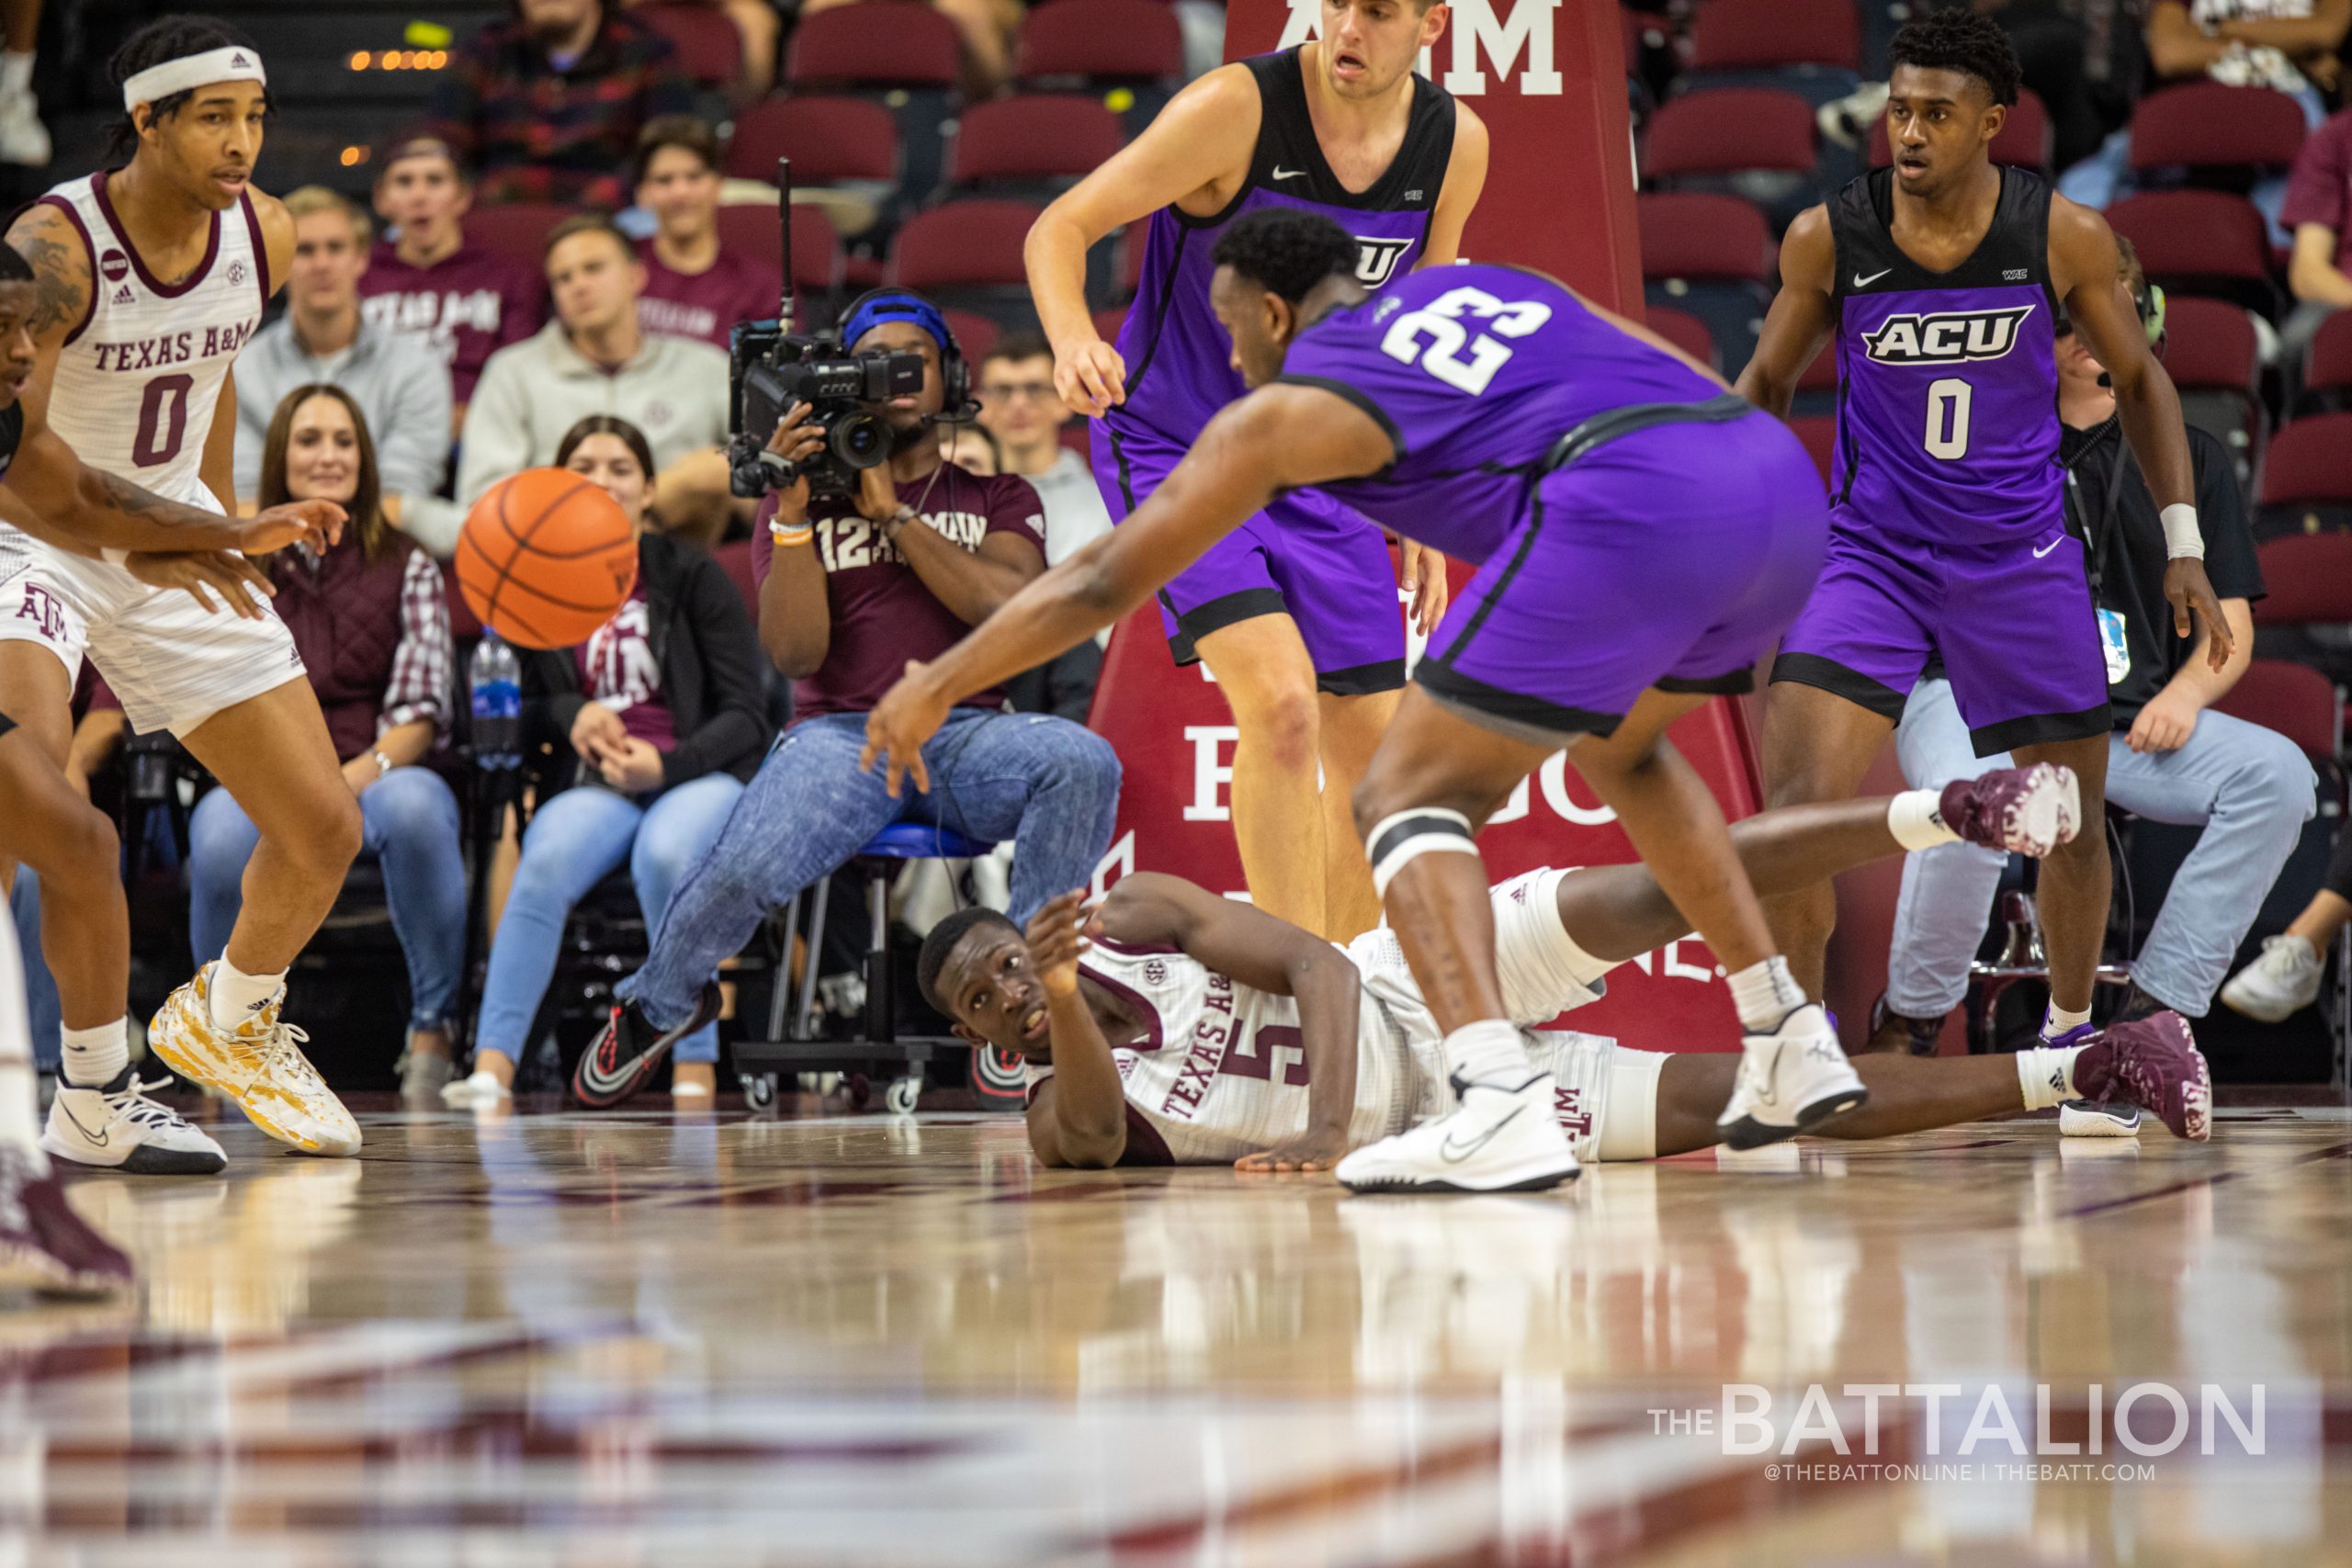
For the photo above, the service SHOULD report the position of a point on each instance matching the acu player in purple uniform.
(1644, 536)
(1295, 613)
(1942, 279)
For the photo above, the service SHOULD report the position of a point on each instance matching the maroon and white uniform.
(1219, 1071)
(136, 383)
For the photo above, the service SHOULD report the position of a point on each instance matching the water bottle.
(496, 677)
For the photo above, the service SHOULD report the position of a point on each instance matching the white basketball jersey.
(1220, 1070)
(137, 380)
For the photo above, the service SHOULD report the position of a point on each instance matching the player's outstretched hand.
(1092, 380)
(1421, 575)
(1059, 935)
(1308, 1151)
(2191, 592)
(907, 715)
(317, 523)
(224, 572)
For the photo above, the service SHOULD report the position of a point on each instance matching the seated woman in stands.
(655, 723)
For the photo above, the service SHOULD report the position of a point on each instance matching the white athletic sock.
(237, 995)
(93, 1056)
(1765, 993)
(16, 74)
(21, 1112)
(1486, 1052)
(1913, 817)
(2057, 1020)
(2046, 1075)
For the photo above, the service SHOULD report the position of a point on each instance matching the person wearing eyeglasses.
(1021, 408)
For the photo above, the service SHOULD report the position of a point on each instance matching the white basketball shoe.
(1498, 1138)
(114, 1127)
(1790, 1081)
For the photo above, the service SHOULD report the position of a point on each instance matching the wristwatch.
(383, 764)
(897, 520)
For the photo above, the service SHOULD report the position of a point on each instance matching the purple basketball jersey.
(1948, 406)
(1475, 372)
(1179, 359)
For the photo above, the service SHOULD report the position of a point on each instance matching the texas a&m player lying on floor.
(1170, 1026)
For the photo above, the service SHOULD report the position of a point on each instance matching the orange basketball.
(546, 557)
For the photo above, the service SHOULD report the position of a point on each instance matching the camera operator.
(852, 588)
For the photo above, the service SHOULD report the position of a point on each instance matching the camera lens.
(860, 440)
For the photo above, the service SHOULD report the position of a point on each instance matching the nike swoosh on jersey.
(1861, 282)
(1282, 174)
(2045, 550)
(1458, 1153)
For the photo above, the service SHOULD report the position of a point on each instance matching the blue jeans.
(408, 821)
(2248, 787)
(1049, 786)
(41, 1009)
(573, 842)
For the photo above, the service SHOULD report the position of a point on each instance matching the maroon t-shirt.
(469, 305)
(883, 615)
(2319, 190)
(705, 305)
(619, 669)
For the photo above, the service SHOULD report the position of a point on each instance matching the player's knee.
(85, 847)
(332, 835)
(1283, 725)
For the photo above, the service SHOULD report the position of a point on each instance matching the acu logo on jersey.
(1377, 258)
(1945, 337)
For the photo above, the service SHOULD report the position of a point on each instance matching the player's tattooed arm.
(1275, 957)
(53, 248)
(1801, 316)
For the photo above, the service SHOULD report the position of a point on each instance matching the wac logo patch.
(1953, 337)
(1377, 259)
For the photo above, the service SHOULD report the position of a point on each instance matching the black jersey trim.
(1363, 680)
(1731, 684)
(1286, 129)
(2041, 729)
(1159, 328)
(1512, 713)
(1349, 393)
(6, 723)
(1839, 680)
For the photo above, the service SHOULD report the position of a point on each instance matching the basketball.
(546, 557)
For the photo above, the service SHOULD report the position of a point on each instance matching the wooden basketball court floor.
(655, 1339)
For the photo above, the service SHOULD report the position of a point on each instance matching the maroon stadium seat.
(1701, 234)
(828, 138)
(1100, 40)
(1108, 321)
(710, 48)
(1041, 135)
(2024, 140)
(975, 335)
(1727, 130)
(1821, 376)
(815, 247)
(2204, 125)
(1819, 433)
(2328, 369)
(2309, 579)
(1685, 332)
(2293, 699)
(877, 43)
(517, 229)
(2211, 352)
(1131, 249)
(2307, 463)
(2206, 242)
(1747, 35)
(964, 244)
(734, 558)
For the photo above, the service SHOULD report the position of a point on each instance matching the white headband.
(231, 64)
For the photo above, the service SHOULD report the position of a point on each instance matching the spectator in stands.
(400, 383)
(760, 27)
(852, 588)
(2285, 979)
(23, 140)
(655, 723)
(2289, 45)
(2319, 203)
(427, 280)
(547, 105)
(973, 449)
(2170, 759)
(372, 624)
(594, 358)
(694, 286)
(1018, 406)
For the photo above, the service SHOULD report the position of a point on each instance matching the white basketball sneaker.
(1790, 1081)
(114, 1126)
(2279, 984)
(1498, 1138)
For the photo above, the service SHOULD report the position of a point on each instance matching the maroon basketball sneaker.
(40, 1233)
(2028, 811)
(2154, 1062)
(630, 1051)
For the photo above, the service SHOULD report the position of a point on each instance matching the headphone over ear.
(877, 306)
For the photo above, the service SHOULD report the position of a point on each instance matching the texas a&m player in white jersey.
(1174, 1027)
(149, 278)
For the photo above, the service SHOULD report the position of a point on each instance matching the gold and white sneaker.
(259, 1065)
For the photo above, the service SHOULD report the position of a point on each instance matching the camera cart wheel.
(759, 1090)
(903, 1095)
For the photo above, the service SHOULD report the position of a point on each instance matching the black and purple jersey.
(1948, 401)
(1179, 358)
